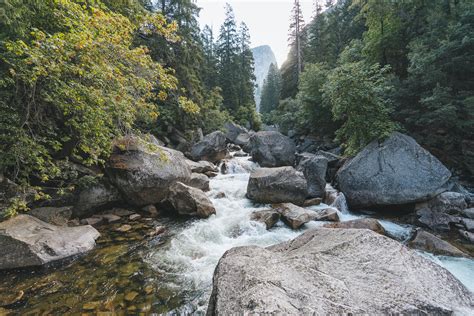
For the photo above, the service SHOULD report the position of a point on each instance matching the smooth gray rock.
(293, 215)
(314, 170)
(201, 166)
(394, 172)
(190, 201)
(143, 172)
(199, 181)
(468, 223)
(267, 217)
(26, 241)
(334, 272)
(328, 214)
(53, 215)
(428, 242)
(211, 148)
(272, 149)
(236, 134)
(97, 197)
(277, 185)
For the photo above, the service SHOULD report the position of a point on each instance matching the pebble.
(134, 217)
(90, 306)
(110, 218)
(124, 228)
(130, 296)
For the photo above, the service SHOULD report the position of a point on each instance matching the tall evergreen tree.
(246, 68)
(271, 90)
(209, 68)
(228, 52)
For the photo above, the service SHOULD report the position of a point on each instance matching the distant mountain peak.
(263, 56)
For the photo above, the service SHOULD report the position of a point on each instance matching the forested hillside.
(370, 67)
(75, 74)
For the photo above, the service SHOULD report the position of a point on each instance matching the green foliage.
(357, 96)
(68, 89)
(271, 90)
(213, 116)
(288, 115)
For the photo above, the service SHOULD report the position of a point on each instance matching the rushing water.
(172, 273)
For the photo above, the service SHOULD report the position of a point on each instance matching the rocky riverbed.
(147, 261)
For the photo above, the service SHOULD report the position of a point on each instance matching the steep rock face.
(394, 172)
(211, 148)
(26, 241)
(277, 185)
(263, 56)
(144, 171)
(334, 271)
(272, 149)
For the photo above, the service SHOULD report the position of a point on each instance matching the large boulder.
(201, 166)
(189, 201)
(293, 215)
(446, 202)
(277, 185)
(95, 197)
(26, 241)
(333, 272)
(236, 134)
(267, 217)
(211, 148)
(436, 221)
(314, 170)
(393, 172)
(272, 149)
(144, 171)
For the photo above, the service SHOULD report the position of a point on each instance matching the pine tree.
(296, 34)
(209, 69)
(270, 90)
(246, 68)
(228, 51)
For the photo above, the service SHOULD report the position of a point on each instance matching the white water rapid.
(191, 256)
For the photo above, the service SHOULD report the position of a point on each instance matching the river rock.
(202, 166)
(199, 181)
(143, 172)
(293, 215)
(334, 272)
(96, 197)
(428, 242)
(314, 170)
(272, 149)
(393, 172)
(277, 185)
(436, 221)
(267, 217)
(467, 235)
(236, 134)
(190, 201)
(446, 202)
(328, 214)
(53, 215)
(26, 241)
(469, 213)
(468, 223)
(361, 223)
(312, 202)
(211, 148)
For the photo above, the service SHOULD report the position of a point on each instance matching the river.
(172, 273)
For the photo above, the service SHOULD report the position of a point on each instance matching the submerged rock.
(267, 217)
(211, 148)
(190, 201)
(334, 271)
(393, 172)
(314, 170)
(26, 241)
(361, 223)
(277, 185)
(272, 149)
(425, 241)
(143, 172)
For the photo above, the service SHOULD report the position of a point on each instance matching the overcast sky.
(268, 20)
